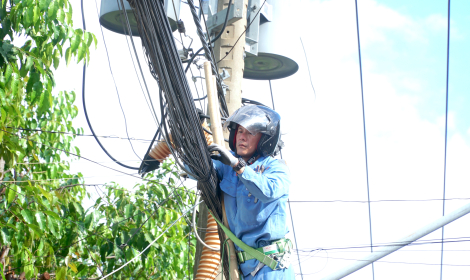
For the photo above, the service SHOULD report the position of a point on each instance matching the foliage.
(43, 223)
(129, 223)
(40, 211)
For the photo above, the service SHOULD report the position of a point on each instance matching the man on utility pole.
(255, 188)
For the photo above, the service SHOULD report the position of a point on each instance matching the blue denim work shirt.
(255, 205)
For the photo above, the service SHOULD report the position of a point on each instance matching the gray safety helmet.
(257, 119)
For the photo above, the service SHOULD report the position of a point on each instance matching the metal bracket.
(224, 75)
(215, 22)
(252, 33)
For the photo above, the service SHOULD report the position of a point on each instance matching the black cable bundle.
(179, 116)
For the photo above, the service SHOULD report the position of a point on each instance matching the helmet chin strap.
(253, 158)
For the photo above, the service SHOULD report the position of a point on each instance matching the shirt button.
(249, 200)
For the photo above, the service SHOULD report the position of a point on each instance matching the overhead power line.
(84, 103)
(248, 26)
(375, 201)
(79, 134)
(288, 199)
(365, 134)
(146, 248)
(308, 68)
(445, 141)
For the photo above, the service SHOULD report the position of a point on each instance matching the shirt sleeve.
(269, 185)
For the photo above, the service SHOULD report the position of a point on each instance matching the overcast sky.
(404, 51)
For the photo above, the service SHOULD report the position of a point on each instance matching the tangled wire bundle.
(178, 111)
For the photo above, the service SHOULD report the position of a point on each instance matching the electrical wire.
(115, 86)
(381, 261)
(288, 199)
(308, 68)
(188, 143)
(364, 128)
(195, 230)
(445, 141)
(146, 248)
(209, 56)
(84, 103)
(375, 201)
(151, 108)
(78, 134)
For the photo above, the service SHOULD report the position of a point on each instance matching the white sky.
(404, 73)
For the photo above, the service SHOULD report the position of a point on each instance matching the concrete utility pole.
(233, 62)
(230, 57)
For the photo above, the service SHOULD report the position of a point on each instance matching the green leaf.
(41, 219)
(61, 273)
(51, 224)
(78, 208)
(88, 38)
(149, 239)
(2, 80)
(128, 210)
(52, 11)
(15, 80)
(10, 226)
(28, 17)
(27, 216)
(1, 271)
(36, 229)
(8, 72)
(81, 51)
(2, 102)
(11, 192)
(35, 14)
(56, 58)
(75, 42)
(52, 214)
(96, 40)
(29, 62)
(68, 56)
(60, 15)
(43, 4)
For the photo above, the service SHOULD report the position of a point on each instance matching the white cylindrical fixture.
(277, 34)
(386, 250)
(112, 19)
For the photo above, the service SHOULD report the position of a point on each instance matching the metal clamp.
(216, 21)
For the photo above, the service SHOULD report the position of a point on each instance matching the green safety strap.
(279, 248)
(253, 252)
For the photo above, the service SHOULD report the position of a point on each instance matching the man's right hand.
(224, 155)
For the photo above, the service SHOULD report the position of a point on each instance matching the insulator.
(181, 28)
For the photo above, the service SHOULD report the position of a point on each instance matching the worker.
(256, 188)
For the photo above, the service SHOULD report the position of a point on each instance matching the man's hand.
(224, 155)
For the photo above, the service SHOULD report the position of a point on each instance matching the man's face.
(246, 142)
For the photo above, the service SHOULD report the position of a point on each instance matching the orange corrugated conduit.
(161, 151)
(210, 259)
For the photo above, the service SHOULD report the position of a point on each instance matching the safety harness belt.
(267, 260)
